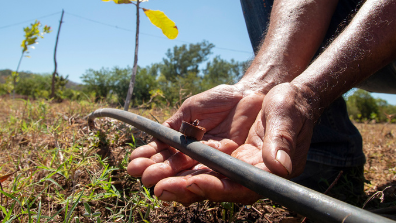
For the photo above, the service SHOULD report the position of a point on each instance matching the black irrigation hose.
(314, 205)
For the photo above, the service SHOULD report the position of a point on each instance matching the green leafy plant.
(32, 33)
(228, 207)
(89, 212)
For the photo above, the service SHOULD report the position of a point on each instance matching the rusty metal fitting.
(192, 130)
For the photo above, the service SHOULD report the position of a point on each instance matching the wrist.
(310, 100)
(262, 77)
(254, 85)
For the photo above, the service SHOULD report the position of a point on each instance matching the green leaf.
(4, 210)
(47, 29)
(87, 208)
(96, 214)
(74, 206)
(8, 195)
(53, 181)
(24, 126)
(10, 220)
(32, 33)
(39, 212)
(160, 20)
(14, 74)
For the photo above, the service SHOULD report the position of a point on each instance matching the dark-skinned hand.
(238, 123)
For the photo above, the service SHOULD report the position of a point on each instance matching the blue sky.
(90, 38)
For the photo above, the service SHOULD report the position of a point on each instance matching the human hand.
(288, 115)
(227, 112)
(278, 142)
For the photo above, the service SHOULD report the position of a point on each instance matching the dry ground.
(54, 169)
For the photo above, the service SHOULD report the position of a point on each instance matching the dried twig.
(334, 182)
(376, 195)
(257, 210)
(154, 118)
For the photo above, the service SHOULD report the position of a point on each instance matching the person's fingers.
(256, 133)
(147, 155)
(280, 136)
(137, 166)
(163, 155)
(224, 145)
(148, 150)
(174, 189)
(170, 167)
(249, 154)
(277, 150)
(193, 188)
(195, 171)
(201, 183)
(287, 127)
(220, 189)
(152, 172)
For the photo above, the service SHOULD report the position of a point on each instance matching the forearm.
(367, 44)
(295, 32)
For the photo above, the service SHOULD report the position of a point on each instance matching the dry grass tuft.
(59, 171)
(379, 145)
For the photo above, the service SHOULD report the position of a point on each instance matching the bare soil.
(380, 189)
(24, 151)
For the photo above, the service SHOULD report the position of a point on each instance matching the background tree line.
(363, 107)
(184, 71)
(36, 86)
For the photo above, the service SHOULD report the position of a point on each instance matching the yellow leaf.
(160, 20)
(123, 1)
(119, 1)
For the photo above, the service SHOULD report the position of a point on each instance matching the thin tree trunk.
(134, 70)
(13, 78)
(56, 65)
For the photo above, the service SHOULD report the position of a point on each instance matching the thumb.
(277, 150)
(287, 118)
(282, 124)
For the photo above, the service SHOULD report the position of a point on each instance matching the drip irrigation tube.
(314, 205)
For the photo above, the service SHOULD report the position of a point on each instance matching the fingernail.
(167, 196)
(195, 189)
(283, 158)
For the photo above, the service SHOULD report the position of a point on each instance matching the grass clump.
(54, 169)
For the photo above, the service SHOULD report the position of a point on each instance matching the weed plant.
(54, 169)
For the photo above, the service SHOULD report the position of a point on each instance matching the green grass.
(54, 169)
(62, 172)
